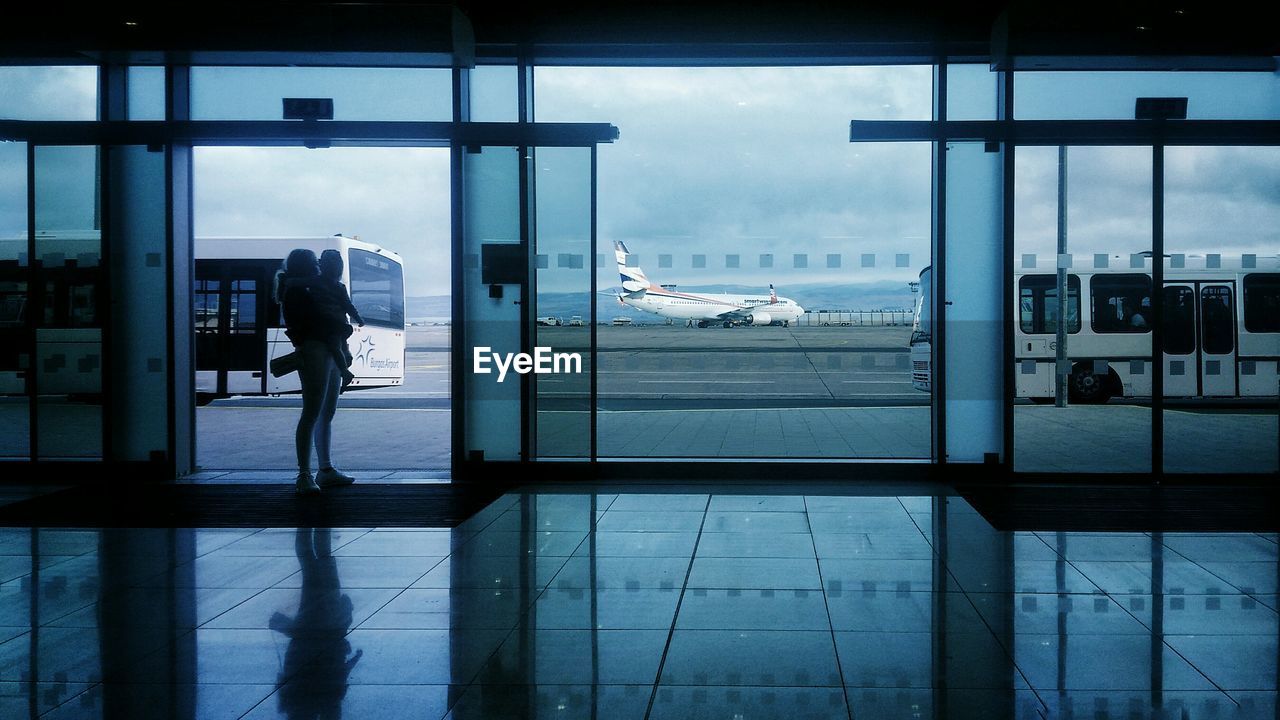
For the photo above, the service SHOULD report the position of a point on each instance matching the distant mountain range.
(813, 297)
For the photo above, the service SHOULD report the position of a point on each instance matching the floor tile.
(905, 660)
(638, 544)
(755, 545)
(570, 702)
(890, 611)
(959, 704)
(751, 657)
(755, 573)
(756, 503)
(1204, 614)
(492, 573)
(616, 520)
(418, 657)
(302, 698)
(1236, 662)
(605, 609)
(1101, 662)
(762, 703)
(627, 573)
(752, 610)
(457, 608)
(719, 521)
(568, 657)
(1048, 613)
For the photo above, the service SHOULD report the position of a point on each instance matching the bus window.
(1262, 302)
(244, 307)
(13, 304)
(1121, 303)
(1179, 320)
(377, 289)
(1038, 304)
(1215, 319)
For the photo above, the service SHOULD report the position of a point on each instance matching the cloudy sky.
(714, 163)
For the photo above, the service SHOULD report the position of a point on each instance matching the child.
(334, 304)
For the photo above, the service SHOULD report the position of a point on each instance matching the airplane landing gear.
(702, 323)
(728, 324)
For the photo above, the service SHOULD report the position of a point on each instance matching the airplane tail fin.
(633, 278)
(773, 294)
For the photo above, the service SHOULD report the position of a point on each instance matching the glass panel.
(493, 315)
(49, 93)
(972, 92)
(255, 93)
(974, 312)
(726, 181)
(495, 93)
(145, 93)
(139, 282)
(69, 339)
(15, 277)
(1113, 95)
(1220, 248)
(1103, 422)
(564, 267)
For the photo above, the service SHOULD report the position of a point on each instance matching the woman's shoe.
(329, 477)
(306, 484)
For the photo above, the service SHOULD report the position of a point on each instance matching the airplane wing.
(742, 312)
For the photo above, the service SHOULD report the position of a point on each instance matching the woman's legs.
(314, 373)
(328, 406)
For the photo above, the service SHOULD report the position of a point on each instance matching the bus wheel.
(1086, 387)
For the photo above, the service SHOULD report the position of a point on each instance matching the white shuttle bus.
(238, 324)
(1221, 330)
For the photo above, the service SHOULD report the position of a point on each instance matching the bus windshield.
(377, 289)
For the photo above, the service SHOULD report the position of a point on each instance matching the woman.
(308, 330)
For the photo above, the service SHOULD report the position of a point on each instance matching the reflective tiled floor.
(558, 605)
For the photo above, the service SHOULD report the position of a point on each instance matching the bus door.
(1217, 340)
(230, 332)
(1199, 339)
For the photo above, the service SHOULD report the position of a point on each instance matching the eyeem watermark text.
(541, 362)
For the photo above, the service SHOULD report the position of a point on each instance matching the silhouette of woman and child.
(316, 307)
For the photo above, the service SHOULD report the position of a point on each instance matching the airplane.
(703, 309)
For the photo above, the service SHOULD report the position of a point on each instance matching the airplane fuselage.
(713, 306)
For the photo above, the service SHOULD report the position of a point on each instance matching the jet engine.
(760, 318)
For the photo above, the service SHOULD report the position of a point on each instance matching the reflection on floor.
(641, 606)
(1116, 438)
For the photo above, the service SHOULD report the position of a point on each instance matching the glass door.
(528, 250)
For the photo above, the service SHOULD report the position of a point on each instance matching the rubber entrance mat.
(249, 506)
